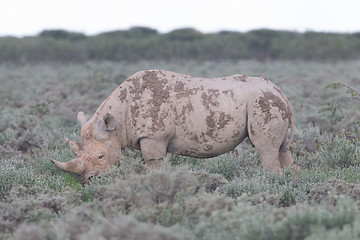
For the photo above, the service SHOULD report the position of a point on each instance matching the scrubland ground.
(227, 197)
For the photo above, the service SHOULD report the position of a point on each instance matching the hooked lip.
(86, 177)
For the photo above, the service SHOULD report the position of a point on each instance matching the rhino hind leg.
(267, 137)
(270, 160)
(153, 152)
(286, 160)
(271, 142)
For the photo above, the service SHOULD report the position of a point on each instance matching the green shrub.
(185, 34)
(62, 34)
(121, 227)
(15, 172)
(232, 165)
(339, 152)
(245, 221)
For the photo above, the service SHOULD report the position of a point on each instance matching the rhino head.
(98, 151)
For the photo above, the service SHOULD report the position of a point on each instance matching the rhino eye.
(101, 157)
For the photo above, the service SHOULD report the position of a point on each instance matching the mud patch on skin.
(186, 93)
(208, 147)
(182, 91)
(135, 113)
(231, 92)
(224, 119)
(135, 91)
(123, 95)
(195, 138)
(217, 121)
(158, 121)
(156, 86)
(211, 123)
(214, 92)
(160, 90)
(202, 135)
(210, 120)
(186, 110)
(270, 100)
(241, 78)
(210, 98)
(150, 81)
(179, 86)
(279, 91)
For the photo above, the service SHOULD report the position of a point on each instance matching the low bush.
(339, 152)
(79, 227)
(226, 197)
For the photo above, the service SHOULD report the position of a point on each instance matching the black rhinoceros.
(163, 112)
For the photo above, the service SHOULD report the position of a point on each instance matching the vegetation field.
(227, 197)
(139, 43)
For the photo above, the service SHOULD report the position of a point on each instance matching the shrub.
(121, 227)
(245, 221)
(62, 34)
(185, 34)
(232, 165)
(322, 191)
(339, 152)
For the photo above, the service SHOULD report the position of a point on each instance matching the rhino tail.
(292, 127)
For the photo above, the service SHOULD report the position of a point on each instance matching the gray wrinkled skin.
(161, 111)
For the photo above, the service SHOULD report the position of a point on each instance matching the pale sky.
(29, 17)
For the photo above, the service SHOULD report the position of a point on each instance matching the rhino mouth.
(87, 177)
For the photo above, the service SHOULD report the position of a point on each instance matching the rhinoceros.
(160, 112)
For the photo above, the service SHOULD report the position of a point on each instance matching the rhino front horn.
(75, 166)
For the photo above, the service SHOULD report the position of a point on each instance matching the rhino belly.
(200, 142)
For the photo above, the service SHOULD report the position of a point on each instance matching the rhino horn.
(82, 118)
(75, 165)
(75, 147)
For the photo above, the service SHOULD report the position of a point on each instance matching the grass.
(227, 197)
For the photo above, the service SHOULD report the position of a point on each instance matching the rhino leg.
(267, 137)
(153, 152)
(286, 160)
(270, 160)
(268, 149)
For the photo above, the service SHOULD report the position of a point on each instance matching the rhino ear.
(82, 118)
(109, 122)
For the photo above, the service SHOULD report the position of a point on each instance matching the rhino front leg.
(153, 152)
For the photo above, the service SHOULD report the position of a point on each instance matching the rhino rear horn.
(82, 118)
(75, 147)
